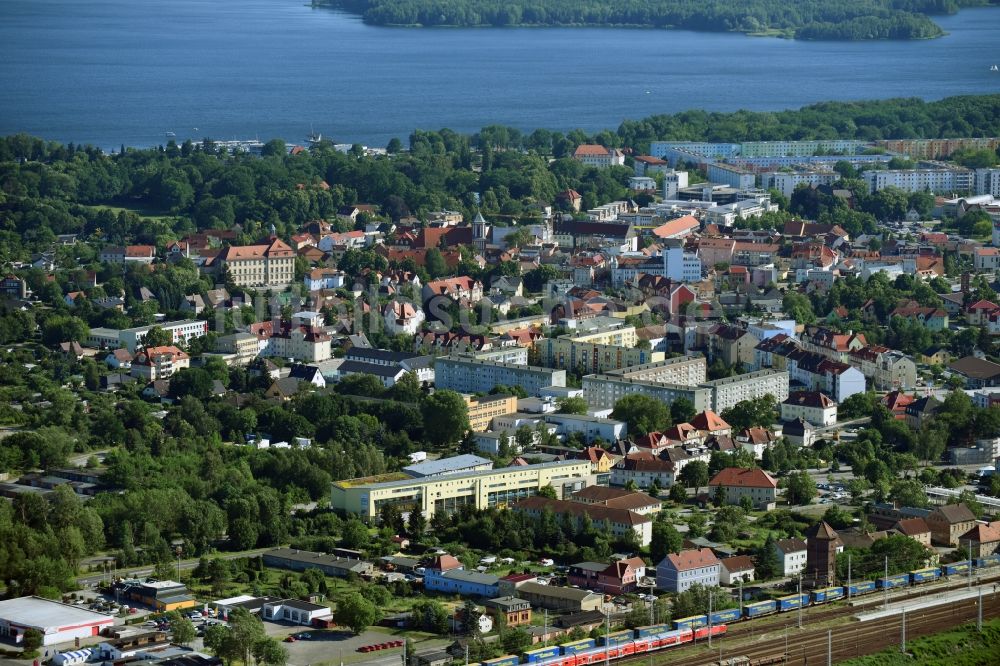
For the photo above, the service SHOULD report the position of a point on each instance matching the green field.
(963, 646)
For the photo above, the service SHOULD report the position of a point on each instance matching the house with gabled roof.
(982, 539)
(679, 571)
(737, 483)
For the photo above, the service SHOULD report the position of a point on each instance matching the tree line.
(851, 20)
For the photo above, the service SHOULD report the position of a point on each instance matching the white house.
(324, 278)
(812, 406)
(402, 318)
(294, 611)
(792, 555)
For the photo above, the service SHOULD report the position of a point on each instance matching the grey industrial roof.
(44, 613)
(445, 465)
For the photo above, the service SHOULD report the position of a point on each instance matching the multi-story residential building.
(467, 374)
(462, 289)
(888, 369)
(647, 164)
(673, 182)
(139, 254)
(181, 332)
(155, 363)
(732, 345)
(988, 182)
(678, 572)
(515, 611)
(949, 522)
(602, 391)
(307, 344)
(786, 182)
(730, 175)
(483, 410)
(612, 334)
(922, 180)
(587, 357)
(644, 470)
(812, 370)
(598, 156)
(11, 285)
(730, 391)
(829, 343)
(812, 406)
(619, 523)
(986, 258)
(482, 489)
(243, 346)
(737, 483)
(679, 265)
(935, 149)
(791, 555)
(618, 498)
(590, 428)
(270, 264)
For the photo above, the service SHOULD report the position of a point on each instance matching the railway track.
(784, 643)
(825, 613)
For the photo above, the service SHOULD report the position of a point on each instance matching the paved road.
(90, 579)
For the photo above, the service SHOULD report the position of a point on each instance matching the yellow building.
(449, 492)
(483, 410)
(267, 265)
(623, 336)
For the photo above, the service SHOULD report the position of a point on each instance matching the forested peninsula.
(846, 20)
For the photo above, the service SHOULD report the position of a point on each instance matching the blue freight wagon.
(617, 638)
(532, 656)
(864, 587)
(509, 660)
(988, 561)
(793, 601)
(956, 568)
(724, 616)
(692, 622)
(896, 580)
(576, 647)
(827, 594)
(925, 575)
(760, 608)
(651, 630)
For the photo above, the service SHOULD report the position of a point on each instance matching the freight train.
(688, 629)
(794, 601)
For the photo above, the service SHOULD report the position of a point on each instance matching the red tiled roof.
(745, 478)
(693, 559)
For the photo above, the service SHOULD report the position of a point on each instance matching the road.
(91, 579)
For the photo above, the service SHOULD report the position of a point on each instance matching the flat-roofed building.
(484, 409)
(294, 559)
(448, 493)
(466, 374)
(58, 623)
(181, 332)
(730, 391)
(450, 465)
(588, 357)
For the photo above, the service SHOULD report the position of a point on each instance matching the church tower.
(480, 232)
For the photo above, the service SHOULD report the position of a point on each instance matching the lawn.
(148, 213)
(963, 646)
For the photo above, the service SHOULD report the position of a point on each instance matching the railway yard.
(837, 630)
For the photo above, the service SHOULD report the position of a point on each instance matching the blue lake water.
(127, 71)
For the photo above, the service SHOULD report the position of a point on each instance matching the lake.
(109, 72)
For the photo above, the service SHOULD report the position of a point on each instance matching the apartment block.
(467, 374)
(730, 391)
(589, 357)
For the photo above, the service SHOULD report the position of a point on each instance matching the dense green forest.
(805, 19)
